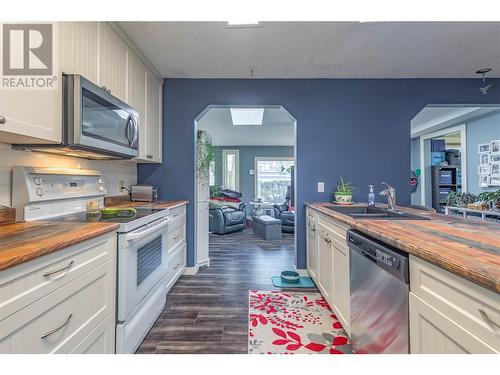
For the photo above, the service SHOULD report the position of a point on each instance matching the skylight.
(247, 116)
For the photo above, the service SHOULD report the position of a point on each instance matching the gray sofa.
(225, 219)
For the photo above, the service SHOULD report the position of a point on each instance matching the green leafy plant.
(344, 187)
(491, 198)
(459, 199)
(205, 151)
(214, 191)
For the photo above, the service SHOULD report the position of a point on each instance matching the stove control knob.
(38, 180)
(101, 188)
(39, 192)
(99, 181)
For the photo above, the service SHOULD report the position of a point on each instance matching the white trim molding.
(191, 271)
(225, 153)
(463, 156)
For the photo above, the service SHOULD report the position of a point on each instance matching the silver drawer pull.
(176, 237)
(177, 266)
(51, 332)
(485, 316)
(59, 270)
(3, 120)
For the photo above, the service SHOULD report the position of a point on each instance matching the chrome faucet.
(390, 193)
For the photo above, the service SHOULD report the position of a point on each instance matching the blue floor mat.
(305, 282)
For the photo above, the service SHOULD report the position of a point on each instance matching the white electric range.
(62, 195)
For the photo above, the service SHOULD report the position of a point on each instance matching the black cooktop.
(83, 217)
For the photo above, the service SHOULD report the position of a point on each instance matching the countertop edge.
(440, 261)
(56, 246)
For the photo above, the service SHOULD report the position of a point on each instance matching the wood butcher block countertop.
(466, 248)
(157, 204)
(26, 240)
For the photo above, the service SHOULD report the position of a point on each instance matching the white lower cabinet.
(328, 263)
(431, 332)
(63, 302)
(312, 245)
(340, 294)
(449, 314)
(325, 263)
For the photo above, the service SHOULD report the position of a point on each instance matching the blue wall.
(357, 128)
(247, 162)
(481, 130)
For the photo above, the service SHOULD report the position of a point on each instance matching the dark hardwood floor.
(207, 313)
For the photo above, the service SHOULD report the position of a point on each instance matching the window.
(230, 169)
(211, 173)
(272, 177)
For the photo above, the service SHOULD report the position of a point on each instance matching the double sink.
(375, 213)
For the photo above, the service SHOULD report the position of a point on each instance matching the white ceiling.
(319, 49)
(433, 118)
(276, 129)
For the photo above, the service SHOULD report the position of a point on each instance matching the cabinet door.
(340, 294)
(113, 53)
(431, 332)
(100, 341)
(312, 251)
(79, 48)
(153, 119)
(136, 97)
(325, 259)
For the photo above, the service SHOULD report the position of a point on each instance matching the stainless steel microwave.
(96, 124)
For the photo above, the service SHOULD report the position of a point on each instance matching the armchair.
(225, 219)
(281, 211)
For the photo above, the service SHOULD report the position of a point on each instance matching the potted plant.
(455, 199)
(343, 192)
(205, 154)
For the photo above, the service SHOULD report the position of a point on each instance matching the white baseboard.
(191, 271)
(203, 263)
(302, 271)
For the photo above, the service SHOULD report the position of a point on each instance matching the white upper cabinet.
(153, 119)
(113, 53)
(79, 49)
(136, 97)
(98, 52)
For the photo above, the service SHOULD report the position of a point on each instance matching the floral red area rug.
(293, 323)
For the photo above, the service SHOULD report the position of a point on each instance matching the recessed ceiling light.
(242, 24)
(247, 116)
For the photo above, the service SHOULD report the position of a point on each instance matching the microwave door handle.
(136, 131)
(127, 130)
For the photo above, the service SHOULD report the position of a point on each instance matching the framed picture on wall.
(494, 181)
(484, 181)
(495, 147)
(484, 159)
(495, 158)
(484, 169)
(495, 169)
(484, 147)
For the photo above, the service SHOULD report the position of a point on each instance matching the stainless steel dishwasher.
(379, 296)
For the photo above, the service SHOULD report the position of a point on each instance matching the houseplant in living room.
(343, 192)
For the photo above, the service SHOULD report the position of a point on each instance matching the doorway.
(250, 168)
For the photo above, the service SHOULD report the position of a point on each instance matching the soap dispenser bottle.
(371, 197)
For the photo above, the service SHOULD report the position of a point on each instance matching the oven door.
(98, 120)
(142, 264)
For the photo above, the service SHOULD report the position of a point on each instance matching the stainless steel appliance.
(63, 195)
(96, 125)
(379, 289)
(144, 193)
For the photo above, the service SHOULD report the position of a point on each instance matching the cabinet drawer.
(431, 332)
(58, 322)
(176, 233)
(100, 341)
(311, 215)
(176, 262)
(471, 306)
(177, 211)
(30, 281)
(340, 229)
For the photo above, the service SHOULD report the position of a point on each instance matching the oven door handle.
(133, 236)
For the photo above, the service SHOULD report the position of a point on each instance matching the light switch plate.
(252, 172)
(321, 187)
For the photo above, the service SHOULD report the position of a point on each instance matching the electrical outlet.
(121, 184)
(321, 187)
